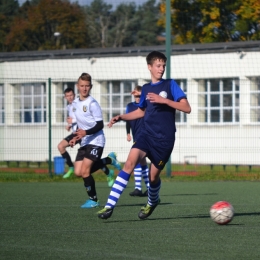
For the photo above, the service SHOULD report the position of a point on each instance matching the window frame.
(253, 93)
(20, 111)
(221, 108)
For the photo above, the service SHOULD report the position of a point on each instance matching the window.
(61, 103)
(181, 117)
(218, 101)
(115, 95)
(30, 103)
(2, 106)
(255, 99)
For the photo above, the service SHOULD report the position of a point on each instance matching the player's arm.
(138, 113)
(180, 101)
(98, 126)
(182, 104)
(128, 128)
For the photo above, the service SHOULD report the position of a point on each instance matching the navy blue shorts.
(157, 150)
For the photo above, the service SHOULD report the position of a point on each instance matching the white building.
(221, 80)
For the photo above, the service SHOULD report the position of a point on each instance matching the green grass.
(43, 220)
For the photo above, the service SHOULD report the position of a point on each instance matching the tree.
(8, 10)
(123, 20)
(98, 16)
(34, 29)
(148, 28)
(201, 21)
(248, 24)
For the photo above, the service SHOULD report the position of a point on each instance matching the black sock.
(89, 184)
(66, 156)
(100, 164)
(107, 160)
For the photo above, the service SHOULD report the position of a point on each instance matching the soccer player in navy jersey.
(159, 100)
(141, 169)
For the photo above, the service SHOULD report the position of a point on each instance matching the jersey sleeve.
(96, 111)
(71, 113)
(142, 103)
(177, 92)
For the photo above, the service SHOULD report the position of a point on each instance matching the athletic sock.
(67, 158)
(117, 189)
(99, 165)
(89, 184)
(153, 193)
(138, 177)
(145, 174)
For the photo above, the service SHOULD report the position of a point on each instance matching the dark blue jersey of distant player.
(159, 119)
(134, 125)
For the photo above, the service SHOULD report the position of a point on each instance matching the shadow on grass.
(200, 194)
(202, 216)
(140, 204)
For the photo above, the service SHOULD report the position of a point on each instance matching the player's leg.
(62, 149)
(159, 153)
(153, 193)
(138, 181)
(113, 157)
(108, 172)
(102, 164)
(89, 158)
(121, 182)
(145, 175)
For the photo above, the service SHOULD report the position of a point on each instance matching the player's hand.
(113, 121)
(154, 98)
(80, 133)
(68, 127)
(128, 138)
(69, 120)
(72, 142)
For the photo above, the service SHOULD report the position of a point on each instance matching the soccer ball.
(222, 212)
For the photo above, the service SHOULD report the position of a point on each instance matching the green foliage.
(8, 10)
(99, 25)
(34, 28)
(148, 28)
(122, 30)
(98, 16)
(205, 21)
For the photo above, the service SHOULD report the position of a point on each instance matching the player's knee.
(77, 172)
(129, 166)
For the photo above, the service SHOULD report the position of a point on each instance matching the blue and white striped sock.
(117, 189)
(153, 193)
(145, 174)
(138, 177)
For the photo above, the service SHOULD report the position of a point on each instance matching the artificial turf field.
(45, 221)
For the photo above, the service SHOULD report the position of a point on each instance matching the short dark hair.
(138, 88)
(67, 90)
(85, 76)
(155, 55)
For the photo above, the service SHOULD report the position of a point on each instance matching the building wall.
(219, 143)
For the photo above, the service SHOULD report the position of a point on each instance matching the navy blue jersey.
(159, 119)
(135, 125)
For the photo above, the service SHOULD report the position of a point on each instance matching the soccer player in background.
(89, 131)
(69, 95)
(141, 169)
(159, 100)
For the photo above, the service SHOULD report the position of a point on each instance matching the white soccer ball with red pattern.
(221, 212)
